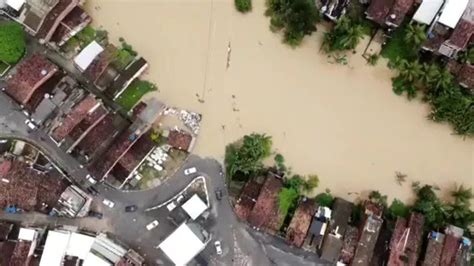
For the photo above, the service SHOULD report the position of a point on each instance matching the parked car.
(97, 215)
(92, 191)
(152, 225)
(91, 179)
(30, 124)
(218, 194)
(218, 246)
(190, 171)
(131, 208)
(180, 198)
(171, 206)
(108, 203)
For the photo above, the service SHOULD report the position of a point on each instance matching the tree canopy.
(243, 6)
(246, 158)
(296, 18)
(345, 35)
(12, 42)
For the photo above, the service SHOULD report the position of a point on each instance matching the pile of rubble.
(190, 119)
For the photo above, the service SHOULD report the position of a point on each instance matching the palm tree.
(431, 72)
(462, 195)
(443, 80)
(410, 71)
(415, 34)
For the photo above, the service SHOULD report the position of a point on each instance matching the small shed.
(194, 207)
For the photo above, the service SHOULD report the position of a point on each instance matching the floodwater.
(341, 122)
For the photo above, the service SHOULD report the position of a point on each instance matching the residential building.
(452, 244)
(247, 199)
(126, 77)
(29, 81)
(434, 249)
(389, 13)
(367, 240)
(317, 229)
(185, 243)
(179, 139)
(72, 24)
(194, 207)
(350, 240)
(266, 213)
(85, 58)
(464, 74)
(406, 240)
(300, 223)
(334, 9)
(331, 249)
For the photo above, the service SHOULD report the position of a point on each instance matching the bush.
(325, 199)
(344, 36)
(287, 198)
(373, 59)
(243, 6)
(397, 209)
(133, 93)
(12, 42)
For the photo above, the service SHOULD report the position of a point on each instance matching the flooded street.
(343, 123)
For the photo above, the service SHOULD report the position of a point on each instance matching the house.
(452, 243)
(333, 242)
(54, 18)
(247, 199)
(27, 85)
(367, 240)
(99, 71)
(434, 249)
(127, 76)
(349, 245)
(85, 58)
(194, 207)
(389, 13)
(185, 243)
(464, 74)
(180, 140)
(266, 213)
(427, 11)
(72, 24)
(28, 189)
(317, 229)
(382, 247)
(406, 240)
(334, 9)
(300, 223)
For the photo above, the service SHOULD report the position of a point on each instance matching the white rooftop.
(15, 4)
(194, 206)
(452, 12)
(182, 245)
(27, 234)
(55, 248)
(427, 11)
(87, 55)
(93, 260)
(79, 245)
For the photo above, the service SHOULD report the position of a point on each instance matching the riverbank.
(341, 122)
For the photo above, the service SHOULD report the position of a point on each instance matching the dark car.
(131, 208)
(97, 215)
(218, 194)
(92, 191)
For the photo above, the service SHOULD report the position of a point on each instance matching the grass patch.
(396, 46)
(134, 93)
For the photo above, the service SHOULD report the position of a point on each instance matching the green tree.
(344, 36)
(397, 209)
(324, 199)
(376, 197)
(401, 85)
(411, 71)
(296, 18)
(243, 6)
(280, 163)
(415, 34)
(287, 198)
(462, 195)
(12, 42)
(247, 158)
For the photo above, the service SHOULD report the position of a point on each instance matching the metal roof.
(182, 245)
(194, 207)
(87, 55)
(452, 12)
(427, 11)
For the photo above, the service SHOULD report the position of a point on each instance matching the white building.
(194, 207)
(87, 55)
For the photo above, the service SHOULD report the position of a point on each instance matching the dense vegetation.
(296, 18)
(345, 35)
(133, 93)
(243, 6)
(244, 160)
(12, 42)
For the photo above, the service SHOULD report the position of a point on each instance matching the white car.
(30, 124)
(218, 246)
(180, 198)
(190, 171)
(108, 203)
(171, 206)
(152, 225)
(90, 179)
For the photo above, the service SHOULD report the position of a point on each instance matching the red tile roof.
(351, 238)
(114, 153)
(6, 251)
(20, 253)
(76, 115)
(266, 213)
(54, 17)
(98, 134)
(29, 76)
(367, 240)
(137, 152)
(406, 240)
(450, 248)
(75, 20)
(299, 225)
(378, 10)
(247, 199)
(95, 70)
(462, 34)
(434, 249)
(29, 189)
(466, 76)
(398, 11)
(180, 140)
(88, 123)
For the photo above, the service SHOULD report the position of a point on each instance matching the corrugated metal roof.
(452, 12)
(87, 55)
(427, 11)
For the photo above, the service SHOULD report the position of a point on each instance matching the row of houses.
(29, 183)
(335, 237)
(449, 26)
(63, 245)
